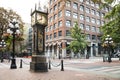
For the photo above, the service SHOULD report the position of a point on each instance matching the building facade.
(62, 16)
(30, 40)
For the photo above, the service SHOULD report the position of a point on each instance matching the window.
(46, 37)
(55, 35)
(67, 33)
(75, 6)
(88, 2)
(59, 33)
(81, 8)
(93, 28)
(59, 23)
(59, 4)
(93, 12)
(68, 3)
(98, 13)
(92, 4)
(99, 38)
(51, 10)
(102, 23)
(55, 16)
(103, 14)
(93, 37)
(50, 36)
(55, 25)
(55, 7)
(81, 17)
(97, 6)
(87, 10)
(98, 30)
(93, 20)
(50, 20)
(46, 29)
(68, 13)
(82, 26)
(75, 15)
(50, 2)
(107, 9)
(51, 27)
(88, 36)
(87, 27)
(68, 23)
(87, 18)
(60, 14)
(81, 0)
(98, 21)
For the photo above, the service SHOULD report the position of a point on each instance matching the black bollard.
(1, 59)
(21, 63)
(49, 64)
(103, 59)
(62, 66)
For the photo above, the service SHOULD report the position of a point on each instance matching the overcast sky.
(22, 7)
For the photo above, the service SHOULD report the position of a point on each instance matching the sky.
(22, 7)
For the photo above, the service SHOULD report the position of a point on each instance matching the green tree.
(79, 43)
(112, 27)
(5, 17)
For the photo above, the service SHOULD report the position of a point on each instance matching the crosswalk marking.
(113, 69)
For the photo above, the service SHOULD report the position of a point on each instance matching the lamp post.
(2, 45)
(108, 41)
(13, 29)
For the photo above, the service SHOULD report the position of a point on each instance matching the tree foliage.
(79, 43)
(112, 27)
(5, 17)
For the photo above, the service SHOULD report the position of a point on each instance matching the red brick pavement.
(54, 74)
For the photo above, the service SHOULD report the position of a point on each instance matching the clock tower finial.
(35, 6)
(39, 6)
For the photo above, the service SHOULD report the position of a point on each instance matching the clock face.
(42, 19)
(33, 19)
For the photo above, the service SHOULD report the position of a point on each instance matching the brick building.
(62, 16)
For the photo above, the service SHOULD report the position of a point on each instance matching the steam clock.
(38, 21)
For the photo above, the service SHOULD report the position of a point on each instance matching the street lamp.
(108, 41)
(13, 29)
(2, 45)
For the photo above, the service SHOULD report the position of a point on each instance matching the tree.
(5, 17)
(112, 27)
(79, 43)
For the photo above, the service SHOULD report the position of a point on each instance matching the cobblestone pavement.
(70, 73)
(25, 74)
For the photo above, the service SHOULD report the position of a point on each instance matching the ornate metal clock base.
(38, 64)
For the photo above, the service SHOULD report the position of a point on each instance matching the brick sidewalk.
(54, 74)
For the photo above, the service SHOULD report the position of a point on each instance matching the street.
(92, 67)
